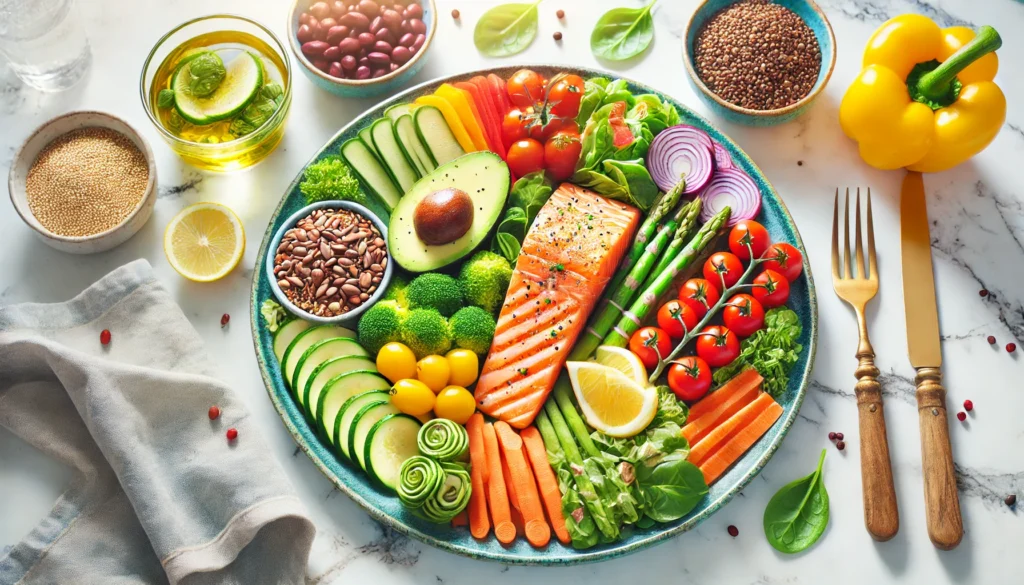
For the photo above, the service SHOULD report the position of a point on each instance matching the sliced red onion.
(732, 188)
(722, 158)
(682, 151)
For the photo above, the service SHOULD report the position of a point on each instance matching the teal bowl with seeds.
(810, 13)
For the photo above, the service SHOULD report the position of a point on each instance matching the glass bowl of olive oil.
(218, 88)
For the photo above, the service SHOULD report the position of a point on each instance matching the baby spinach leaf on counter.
(165, 99)
(623, 33)
(330, 178)
(506, 29)
(671, 489)
(797, 514)
(772, 351)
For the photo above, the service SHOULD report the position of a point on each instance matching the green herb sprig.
(331, 178)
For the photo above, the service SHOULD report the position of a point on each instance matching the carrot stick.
(547, 483)
(697, 429)
(718, 462)
(497, 497)
(722, 433)
(745, 379)
(538, 533)
(479, 523)
(513, 500)
(462, 519)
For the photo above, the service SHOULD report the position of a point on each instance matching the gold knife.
(942, 502)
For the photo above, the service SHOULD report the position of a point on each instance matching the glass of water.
(44, 42)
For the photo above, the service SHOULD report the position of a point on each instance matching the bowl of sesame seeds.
(758, 62)
(85, 182)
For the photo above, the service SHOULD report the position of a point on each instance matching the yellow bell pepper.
(925, 99)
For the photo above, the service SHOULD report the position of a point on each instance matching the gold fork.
(880, 514)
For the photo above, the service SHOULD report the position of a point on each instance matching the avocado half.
(481, 175)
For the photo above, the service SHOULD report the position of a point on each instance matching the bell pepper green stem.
(938, 84)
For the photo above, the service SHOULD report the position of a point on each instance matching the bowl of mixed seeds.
(331, 262)
(759, 62)
(85, 182)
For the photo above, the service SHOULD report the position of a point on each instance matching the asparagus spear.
(683, 232)
(563, 398)
(630, 320)
(606, 316)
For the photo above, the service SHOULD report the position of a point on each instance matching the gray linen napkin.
(159, 494)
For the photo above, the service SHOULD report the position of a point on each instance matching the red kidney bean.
(338, 8)
(333, 54)
(417, 43)
(320, 33)
(405, 26)
(349, 46)
(364, 61)
(375, 24)
(355, 21)
(363, 72)
(314, 49)
(379, 73)
(414, 11)
(382, 47)
(401, 54)
(379, 59)
(416, 26)
(320, 10)
(335, 70)
(304, 34)
(392, 19)
(393, 66)
(322, 64)
(327, 23)
(385, 35)
(369, 7)
(407, 40)
(348, 63)
(366, 39)
(304, 18)
(413, 50)
(336, 34)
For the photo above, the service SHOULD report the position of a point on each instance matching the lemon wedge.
(204, 242)
(624, 361)
(611, 402)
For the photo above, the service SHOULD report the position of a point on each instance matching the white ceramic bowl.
(46, 134)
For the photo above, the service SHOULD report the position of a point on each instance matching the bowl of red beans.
(361, 48)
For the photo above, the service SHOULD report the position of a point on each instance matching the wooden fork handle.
(881, 517)
(942, 501)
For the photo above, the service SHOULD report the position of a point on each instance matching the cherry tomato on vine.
(723, 267)
(561, 152)
(784, 259)
(676, 318)
(526, 88)
(750, 231)
(525, 156)
(564, 95)
(650, 344)
(771, 289)
(689, 378)
(743, 314)
(542, 132)
(717, 345)
(513, 126)
(700, 295)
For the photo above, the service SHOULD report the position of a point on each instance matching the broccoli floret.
(397, 289)
(381, 324)
(435, 291)
(473, 329)
(484, 279)
(426, 332)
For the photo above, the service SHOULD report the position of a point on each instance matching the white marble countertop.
(978, 243)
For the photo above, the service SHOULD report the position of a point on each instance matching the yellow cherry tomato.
(412, 397)
(455, 403)
(465, 366)
(433, 371)
(396, 362)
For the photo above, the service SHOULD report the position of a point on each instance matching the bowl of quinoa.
(84, 182)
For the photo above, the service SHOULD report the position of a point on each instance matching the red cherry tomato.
(771, 289)
(513, 127)
(650, 344)
(750, 231)
(561, 152)
(526, 88)
(542, 132)
(689, 378)
(564, 95)
(784, 259)
(743, 314)
(723, 267)
(717, 345)
(700, 295)
(676, 318)
(525, 156)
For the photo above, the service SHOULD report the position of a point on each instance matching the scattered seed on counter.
(455, 13)
(86, 182)
(831, 436)
(557, 36)
(733, 531)
(214, 413)
(961, 416)
(560, 14)
(1011, 500)
(968, 405)
(225, 319)
(983, 293)
(839, 436)
(991, 339)
(841, 445)
(1011, 347)
(105, 337)
(232, 434)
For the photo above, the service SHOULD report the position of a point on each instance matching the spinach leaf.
(622, 33)
(772, 351)
(506, 29)
(530, 193)
(671, 489)
(633, 177)
(797, 514)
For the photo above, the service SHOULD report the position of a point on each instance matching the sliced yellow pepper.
(450, 116)
(466, 109)
(925, 99)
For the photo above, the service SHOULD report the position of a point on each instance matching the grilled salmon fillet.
(571, 252)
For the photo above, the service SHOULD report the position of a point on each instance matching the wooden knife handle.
(942, 501)
(881, 517)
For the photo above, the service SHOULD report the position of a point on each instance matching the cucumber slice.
(319, 353)
(391, 441)
(435, 134)
(400, 167)
(303, 341)
(361, 425)
(285, 334)
(316, 382)
(242, 81)
(405, 130)
(371, 172)
(397, 111)
(346, 414)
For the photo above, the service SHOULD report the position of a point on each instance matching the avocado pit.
(443, 216)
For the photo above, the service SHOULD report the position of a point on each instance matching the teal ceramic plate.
(385, 508)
